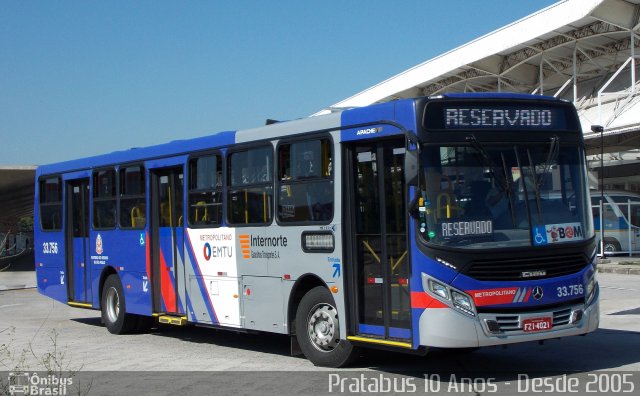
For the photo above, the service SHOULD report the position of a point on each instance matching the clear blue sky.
(79, 78)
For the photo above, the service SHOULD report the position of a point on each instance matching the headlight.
(462, 302)
(454, 298)
(439, 289)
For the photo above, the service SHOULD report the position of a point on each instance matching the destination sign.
(503, 118)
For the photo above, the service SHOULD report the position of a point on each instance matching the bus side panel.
(126, 252)
(211, 275)
(263, 304)
(50, 264)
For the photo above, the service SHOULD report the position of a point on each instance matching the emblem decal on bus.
(368, 131)
(533, 274)
(99, 249)
(537, 293)
(248, 242)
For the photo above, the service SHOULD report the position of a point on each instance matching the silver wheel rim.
(113, 304)
(323, 327)
(610, 247)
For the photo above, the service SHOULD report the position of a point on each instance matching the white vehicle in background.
(621, 218)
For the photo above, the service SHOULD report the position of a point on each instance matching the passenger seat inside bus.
(138, 217)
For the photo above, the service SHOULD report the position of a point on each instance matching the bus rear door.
(167, 239)
(77, 240)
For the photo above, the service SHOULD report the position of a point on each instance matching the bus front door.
(167, 237)
(377, 228)
(77, 241)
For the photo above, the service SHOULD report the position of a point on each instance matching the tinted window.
(306, 183)
(132, 197)
(250, 194)
(205, 191)
(51, 204)
(104, 199)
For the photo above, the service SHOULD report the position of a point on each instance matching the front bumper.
(448, 328)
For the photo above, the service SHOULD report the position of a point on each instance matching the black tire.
(318, 330)
(611, 246)
(114, 308)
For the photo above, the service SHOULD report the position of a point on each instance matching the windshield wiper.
(536, 185)
(552, 156)
(539, 180)
(509, 190)
(503, 184)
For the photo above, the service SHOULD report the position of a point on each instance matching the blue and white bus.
(456, 221)
(620, 218)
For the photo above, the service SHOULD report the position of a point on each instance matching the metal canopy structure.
(580, 50)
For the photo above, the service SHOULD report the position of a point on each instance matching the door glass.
(170, 240)
(368, 238)
(76, 268)
(397, 255)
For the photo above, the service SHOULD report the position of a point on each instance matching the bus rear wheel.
(113, 307)
(611, 245)
(318, 330)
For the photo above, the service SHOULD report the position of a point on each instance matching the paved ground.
(622, 264)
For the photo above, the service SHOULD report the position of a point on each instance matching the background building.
(580, 50)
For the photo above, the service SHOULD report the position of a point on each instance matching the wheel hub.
(113, 304)
(323, 327)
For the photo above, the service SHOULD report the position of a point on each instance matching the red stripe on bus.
(167, 290)
(526, 298)
(423, 300)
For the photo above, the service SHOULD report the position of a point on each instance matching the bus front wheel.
(318, 330)
(113, 307)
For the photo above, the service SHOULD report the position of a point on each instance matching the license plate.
(536, 324)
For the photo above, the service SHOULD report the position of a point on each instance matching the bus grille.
(509, 323)
(525, 268)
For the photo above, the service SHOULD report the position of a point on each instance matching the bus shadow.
(601, 350)
(277, 344)
(97, 322)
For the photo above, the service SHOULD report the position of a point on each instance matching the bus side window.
(250, 192)
(104, 199)
(205, 191)
(132, 201)
(305, 192)
(51, 204)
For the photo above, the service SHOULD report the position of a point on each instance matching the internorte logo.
(249, 243)
(245, 245)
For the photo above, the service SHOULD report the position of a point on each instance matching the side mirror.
(411, 167)
(597, 128)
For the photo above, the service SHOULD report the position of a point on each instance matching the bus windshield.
(479, 195)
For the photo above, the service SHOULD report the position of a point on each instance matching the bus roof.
(176, 147)
(499, 95)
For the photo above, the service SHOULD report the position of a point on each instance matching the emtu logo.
(245, 245)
